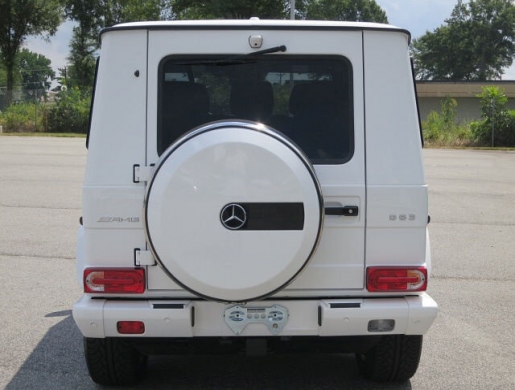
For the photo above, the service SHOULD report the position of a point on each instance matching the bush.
(503, 127)
(21, 118)
(70, 113)
(432, 128)
(495, 116)
(443, 129)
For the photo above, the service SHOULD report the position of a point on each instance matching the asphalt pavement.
(470, 346)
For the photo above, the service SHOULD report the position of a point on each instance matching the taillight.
(396, 279)
(114, 281)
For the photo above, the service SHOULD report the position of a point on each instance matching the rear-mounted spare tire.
(234, 211)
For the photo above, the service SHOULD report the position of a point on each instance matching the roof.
(253, 24)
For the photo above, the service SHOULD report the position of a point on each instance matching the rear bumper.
(98, 318)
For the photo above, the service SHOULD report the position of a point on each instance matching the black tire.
(113, 361)
(393, 359)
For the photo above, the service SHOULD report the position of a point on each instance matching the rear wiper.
(275, 49)
(240, 58)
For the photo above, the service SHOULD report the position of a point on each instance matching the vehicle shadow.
(57, 362)
(274, 372)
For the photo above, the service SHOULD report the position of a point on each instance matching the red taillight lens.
(388, 279)
(114, 281)
(130, 327)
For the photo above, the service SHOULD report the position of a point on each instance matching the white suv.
(254, 185)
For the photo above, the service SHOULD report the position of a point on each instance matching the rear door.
(317, 102)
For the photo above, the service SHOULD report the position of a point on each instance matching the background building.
(431, 93)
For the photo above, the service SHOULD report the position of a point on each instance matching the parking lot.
(470, 346)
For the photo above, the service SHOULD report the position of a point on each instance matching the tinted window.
(309, 99)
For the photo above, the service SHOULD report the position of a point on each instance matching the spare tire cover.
(233, 211)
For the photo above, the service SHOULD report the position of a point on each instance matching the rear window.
(308, 99)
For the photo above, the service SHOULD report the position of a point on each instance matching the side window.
(307, 98)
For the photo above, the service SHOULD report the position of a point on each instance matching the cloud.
(57, 49)
(417, 16)
(509, 74)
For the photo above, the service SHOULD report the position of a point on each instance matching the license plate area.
(273, 317)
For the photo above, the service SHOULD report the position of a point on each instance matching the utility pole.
(493, 121)
(36, 110)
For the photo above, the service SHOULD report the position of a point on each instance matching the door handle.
(347, 211)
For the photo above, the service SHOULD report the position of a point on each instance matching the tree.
(3, 82)
(81, 72)
(70, 114)
(476, 43)
(351, 10)
(442, 128)
(137, 10)
(235, 9)
(35, 72)
(19, 19)
(498, 125)
(94, 15)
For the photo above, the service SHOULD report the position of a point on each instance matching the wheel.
(393, 359)
(233, 212)
(113, 361)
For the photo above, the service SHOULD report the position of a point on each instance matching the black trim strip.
(92, 102)
(168, 306)
(273, 216)
(412, 62)
(345, 305)
(192, 315)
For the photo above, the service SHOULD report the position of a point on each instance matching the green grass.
(500, 148)
(38, 134)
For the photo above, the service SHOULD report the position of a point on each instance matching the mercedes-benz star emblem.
(233, 216)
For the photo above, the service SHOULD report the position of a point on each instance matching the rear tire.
(393, 359)
(114, 361)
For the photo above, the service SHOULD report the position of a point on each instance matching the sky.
(417, 16)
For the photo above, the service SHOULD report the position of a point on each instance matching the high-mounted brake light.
(396, 279)
(114, 281)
